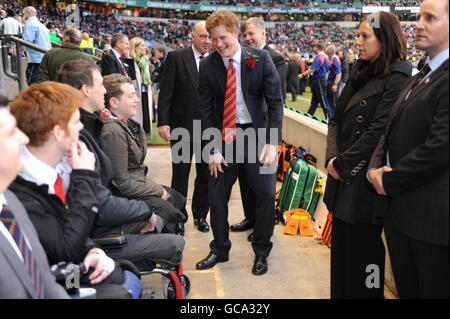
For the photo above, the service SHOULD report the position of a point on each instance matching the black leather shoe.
(202, 225)
(260, 266)
(242, 226)
(210, 261)
(250, 237)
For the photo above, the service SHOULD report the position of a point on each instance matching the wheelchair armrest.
(111, 242)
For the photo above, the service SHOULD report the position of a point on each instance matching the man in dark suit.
(411, 167)
(294, 69)
(177, 108)
(116, 61)
(239, 89)
(254, 35)
(16, 281)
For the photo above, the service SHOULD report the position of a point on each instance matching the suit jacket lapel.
(118, 63)
(244, 72)
(8, 250)
(221, 72)
(373, 87)
(191, 66)
(404, 102)
(428, 80)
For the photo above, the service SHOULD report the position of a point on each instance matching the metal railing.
(15, 45)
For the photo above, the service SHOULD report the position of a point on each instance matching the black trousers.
(331, 96)
(421, 269)
(356, 251)
(293, 88)
(146, 125)
(32, 72)
(262, 186)
(319, 96)
(180, 180)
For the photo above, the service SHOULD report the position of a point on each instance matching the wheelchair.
(63, 272)
(177, 284)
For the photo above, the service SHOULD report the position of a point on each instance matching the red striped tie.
(229, 109)
(10, 222)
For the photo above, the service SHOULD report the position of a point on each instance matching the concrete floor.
(299, 267)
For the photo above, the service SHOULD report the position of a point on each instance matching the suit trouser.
(180, 181)
(172, 210)
(293, 88)
(32, 72)
(262, 185)
(331, 96)
(353, 248)
(145, 250)
(319, 95)
(421, 270)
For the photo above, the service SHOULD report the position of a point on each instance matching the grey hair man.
(115, 60)
(56, 57)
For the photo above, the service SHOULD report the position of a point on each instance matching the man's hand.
(165, 195)
(376, 178)
(334, 87)
(332, 171)
(215, 164)
(164, 132)
(268, 155)
(300, 76)
(150, 227)
(80, 157)
(102, 264)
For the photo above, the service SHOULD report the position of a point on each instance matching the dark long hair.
(389, 32)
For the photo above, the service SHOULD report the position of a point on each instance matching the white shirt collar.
(437, 61)
(2, 201)
(34, 170)
(236, 58)
(262, 47)
(197, 54)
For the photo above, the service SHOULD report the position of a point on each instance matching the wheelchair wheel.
(187, 287)
(169, 289)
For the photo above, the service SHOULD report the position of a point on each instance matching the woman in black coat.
(362, 113)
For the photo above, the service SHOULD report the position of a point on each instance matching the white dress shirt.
(242, 114)
(5, 232)
(36, 171)
(197, 56)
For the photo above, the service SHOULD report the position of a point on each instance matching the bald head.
(29, 12)
(72, 35)
(200, 38)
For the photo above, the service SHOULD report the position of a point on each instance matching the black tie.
(420, 76)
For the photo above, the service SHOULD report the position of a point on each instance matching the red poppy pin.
(251, 62)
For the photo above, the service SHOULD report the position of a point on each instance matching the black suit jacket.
(281, 65)
(294, 68)
(110, 65)
(353, 134)
(178, 98)
(417, 142)
(260, 87)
